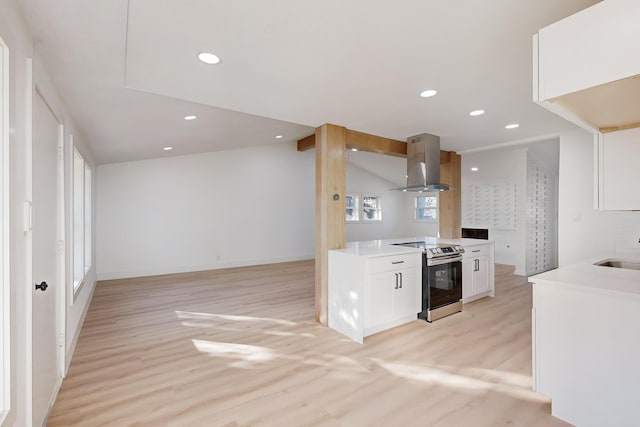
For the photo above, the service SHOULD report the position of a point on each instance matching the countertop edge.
(386, 247)
(585, 275)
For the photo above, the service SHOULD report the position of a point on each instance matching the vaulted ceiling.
(128, 70)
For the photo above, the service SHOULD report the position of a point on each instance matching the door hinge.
(28, 216)
(60, 247)
(60, 153)
(60, 340)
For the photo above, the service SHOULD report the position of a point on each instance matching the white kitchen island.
(586, 342)
(375, 285)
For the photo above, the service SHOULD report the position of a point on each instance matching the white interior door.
(45, 258)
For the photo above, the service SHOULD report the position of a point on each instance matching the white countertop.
(586, 274)
(384, 247)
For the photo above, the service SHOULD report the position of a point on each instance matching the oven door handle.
(440, 261)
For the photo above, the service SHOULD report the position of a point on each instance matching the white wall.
(509, 164)
(16, 34)
(583, 231)
(397, 209)
(504, 165)
(409, 227)
(75, 308)
(229, 208)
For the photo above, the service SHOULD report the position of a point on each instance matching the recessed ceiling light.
(474, 169)
(190, 117)
(476, 113)
(278, 136)
(404, 190)
(354, 149)
(167, 148)
(512, 126)
(208, 58)
(428, 93)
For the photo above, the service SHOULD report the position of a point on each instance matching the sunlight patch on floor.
(497, 376)
(474, 380)
(246, 352)
(229, 317)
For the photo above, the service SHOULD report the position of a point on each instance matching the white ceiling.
(128, 70)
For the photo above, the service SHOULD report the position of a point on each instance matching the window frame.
(5, 234)
(416, 208)
(378, 209)
(82, 244)
(88, 200)
(357, 197)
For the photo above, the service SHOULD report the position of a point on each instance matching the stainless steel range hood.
(423, 164)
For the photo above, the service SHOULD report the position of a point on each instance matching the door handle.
(42, 286)
(397, 262)
(396, 274)
(400, 280)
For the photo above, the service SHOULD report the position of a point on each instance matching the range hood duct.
(423, 164)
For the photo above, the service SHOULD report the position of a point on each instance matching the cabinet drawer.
(475, 251)
(397, 262)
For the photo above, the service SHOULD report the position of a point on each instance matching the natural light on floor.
(476, 380)
(228, 322)
(249, 353)
(230, 317)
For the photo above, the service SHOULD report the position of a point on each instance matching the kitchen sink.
(619, 263)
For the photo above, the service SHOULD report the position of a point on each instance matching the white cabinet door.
(407, 298)
(467, 278)
(369, 295)
(379, 301)
(590, 48)
(620, 170)
(481, 275)
(476, 271)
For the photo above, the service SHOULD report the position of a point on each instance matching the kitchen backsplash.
(627, 235)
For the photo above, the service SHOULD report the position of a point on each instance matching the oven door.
(445, 283)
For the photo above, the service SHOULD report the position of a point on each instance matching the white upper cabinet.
(587, 67)
(619, 170)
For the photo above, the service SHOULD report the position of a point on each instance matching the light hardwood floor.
(239, 347)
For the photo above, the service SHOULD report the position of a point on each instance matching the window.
(371, 208)
(4, 233)
(353, 207)
(426, 208)
(81, 219)
(87, 218)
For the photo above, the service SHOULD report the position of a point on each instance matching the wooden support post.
(451, 201)
(331, 189)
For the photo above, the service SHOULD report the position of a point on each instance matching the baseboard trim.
(158, 271)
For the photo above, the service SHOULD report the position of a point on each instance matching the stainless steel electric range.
(441, 279)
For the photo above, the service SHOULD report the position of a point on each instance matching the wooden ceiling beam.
(363, 142)
(307, 143)
(376, 144)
